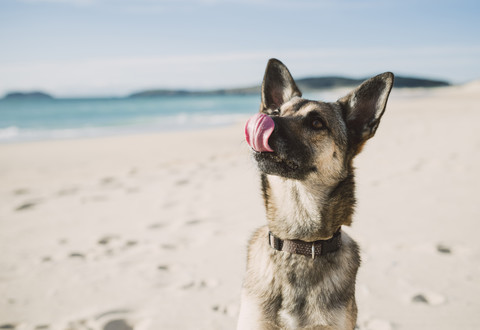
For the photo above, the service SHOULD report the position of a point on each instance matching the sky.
(116, 47)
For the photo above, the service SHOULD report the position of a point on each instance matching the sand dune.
(149, 231)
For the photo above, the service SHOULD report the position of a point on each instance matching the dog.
(301, 268)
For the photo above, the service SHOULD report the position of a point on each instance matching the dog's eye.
(317, 124)
(275, 112)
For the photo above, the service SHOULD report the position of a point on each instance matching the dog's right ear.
(278, 86)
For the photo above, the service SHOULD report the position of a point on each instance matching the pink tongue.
(257, 132)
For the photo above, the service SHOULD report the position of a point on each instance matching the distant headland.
(305, 84)
(28, 96)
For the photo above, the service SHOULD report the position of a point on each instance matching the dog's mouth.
(276, 160)
(274, 164)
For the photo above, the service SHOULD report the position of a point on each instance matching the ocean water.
(30, 120)
(24, 120)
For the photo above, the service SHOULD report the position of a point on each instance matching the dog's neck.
(304, 212)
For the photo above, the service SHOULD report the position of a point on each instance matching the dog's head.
(302, 139)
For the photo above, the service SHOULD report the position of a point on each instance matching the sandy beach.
(149, 232)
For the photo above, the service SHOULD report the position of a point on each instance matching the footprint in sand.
(107, 180)
(68, 191)
(132, 190)
(130, 243)
(110, 183)
(156, 225)
(21, 191)
(182, 182)
(7, 326)
(28, 205)
(25, 206)
(114, 320)
(77, 255)
(119, 324)
(169, 204)
(105, 240)
(168, 246)
(110, 320)
(203, 284)
(193, 222)
(230, 310)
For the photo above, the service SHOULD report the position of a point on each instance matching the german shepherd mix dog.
(301, 268)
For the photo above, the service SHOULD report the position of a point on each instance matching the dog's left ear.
(278, 86)
(365, 105)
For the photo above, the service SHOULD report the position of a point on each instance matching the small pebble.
(104, 241)
(420, 298)
(431, 298)
(443, 249)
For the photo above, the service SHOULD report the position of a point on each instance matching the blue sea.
(31, 120)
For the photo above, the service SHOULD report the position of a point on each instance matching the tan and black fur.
(308, 188)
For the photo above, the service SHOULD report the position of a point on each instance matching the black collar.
(309, 249)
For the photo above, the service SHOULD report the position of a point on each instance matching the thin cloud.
(120, 76)
(62, 2)
(156, 4)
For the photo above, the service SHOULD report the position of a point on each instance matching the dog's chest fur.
(294, 292)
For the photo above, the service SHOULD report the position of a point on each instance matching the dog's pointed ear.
(278, 86)
(363, 107)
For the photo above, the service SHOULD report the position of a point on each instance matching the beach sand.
(150, 231)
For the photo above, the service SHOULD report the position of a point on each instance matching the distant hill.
(410, 82)
(181, 92)
(334, 82)
(28, 96)
(305, 84)
(161, 92)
